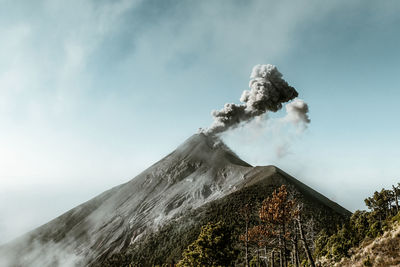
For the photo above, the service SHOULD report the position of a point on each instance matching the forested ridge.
(168, 244)
(282, 229)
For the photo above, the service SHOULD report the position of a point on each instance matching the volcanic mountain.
(200, 174)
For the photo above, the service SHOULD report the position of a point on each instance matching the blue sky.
(93, 92)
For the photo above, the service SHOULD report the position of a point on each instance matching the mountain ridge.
(306, 189)
(201, 170)
(166, 245)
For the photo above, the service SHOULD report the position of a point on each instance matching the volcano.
(201, 172)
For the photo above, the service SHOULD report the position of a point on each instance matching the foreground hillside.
(381, 251)
(369, 238)
(201, 181)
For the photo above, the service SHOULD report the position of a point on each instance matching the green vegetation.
(169, 243)
(266, 225)
(362, 226)
(213, 247)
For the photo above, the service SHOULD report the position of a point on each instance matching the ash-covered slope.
(166, 245)
(202, 170)
(272, 175)
(198, 171)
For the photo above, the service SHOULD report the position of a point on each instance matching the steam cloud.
(297, 113)
(267, 93)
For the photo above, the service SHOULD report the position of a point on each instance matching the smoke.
(267, 93)
(297, 114)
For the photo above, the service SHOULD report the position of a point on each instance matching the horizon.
(93, 93)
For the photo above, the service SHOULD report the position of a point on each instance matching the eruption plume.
(267, 93)
(297, 113)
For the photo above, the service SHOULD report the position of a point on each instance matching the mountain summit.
(201, 170)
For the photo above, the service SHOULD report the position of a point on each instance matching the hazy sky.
(93, 92)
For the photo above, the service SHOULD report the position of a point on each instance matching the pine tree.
(213, 247)
(380, 203)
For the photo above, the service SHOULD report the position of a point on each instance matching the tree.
(380, 203)
(295, 253)
(396, 191)
(321, 249)
(213, 247)
(259, 235)
(304, 241)
(277, 212)
(245, 213)
(362, 225)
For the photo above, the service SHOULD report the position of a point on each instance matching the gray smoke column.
(267, 93)
(297, 113)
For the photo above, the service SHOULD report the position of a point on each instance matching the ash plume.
(267, 93)
(297, 113)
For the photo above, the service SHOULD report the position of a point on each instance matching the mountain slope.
(259, 174)
(199, 171)
(167, 243)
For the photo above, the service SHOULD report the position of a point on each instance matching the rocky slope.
(382, 251)
(199, 171)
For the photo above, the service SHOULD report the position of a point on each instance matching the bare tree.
(295, 252)
(303, 237)
(245, 212)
